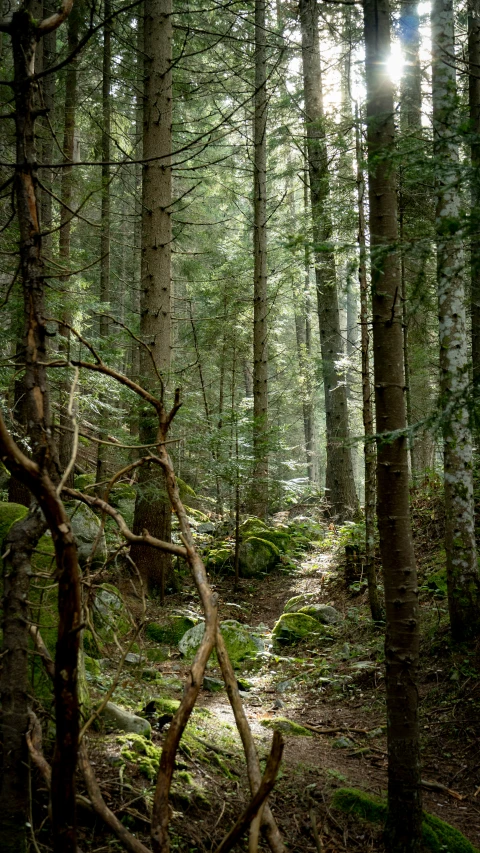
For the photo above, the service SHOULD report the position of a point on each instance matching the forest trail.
(337, 687)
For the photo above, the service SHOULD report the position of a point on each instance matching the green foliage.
(438, 836)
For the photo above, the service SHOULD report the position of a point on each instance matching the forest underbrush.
(324, 693)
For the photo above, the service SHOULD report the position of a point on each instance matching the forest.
(239, 426)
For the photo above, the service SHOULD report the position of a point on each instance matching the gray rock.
(85, 527)
(123, 720)
(240, 640)
(212, 684)
(206, 527)
(133, 658)
(278, 704)
(342, 743)
(323, 613)
(257, 556)
(285, 686)
(109, 613)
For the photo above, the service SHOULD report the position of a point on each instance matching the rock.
(241, 642)
(109, 613)
(9, 514)
(170, 631)
(243, 684)
(286, 727)
(324, 613)
(298, 601)
(85, 527)
(213, 685)
(252, 527)
(257, 556)
(343, 743)
(123, 720)
(278, 704)
(133, 658)
(293, 627)
(256, 528)
(206, 527)
(285, 686)
(219, 560)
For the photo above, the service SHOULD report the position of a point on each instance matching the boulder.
(125, 721)
(109, 613)
(252, 527)
(324, 613)
(85, 527)
(219, 560)
(241, 641)
(257, 557)
(298, 601)
(170, 631)
(206, 527)
(293, 627)
(9, 514)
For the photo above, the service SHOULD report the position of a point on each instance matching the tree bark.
(463, 581)
(102, 451)
(259, 498)
(403, 828)
(340, 484)
(367, 413)
(474, 106)
(152, 507)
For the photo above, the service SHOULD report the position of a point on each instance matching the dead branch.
(266, 785)
(128, 840)
(34, 743)
(170, 547)
(42, 650)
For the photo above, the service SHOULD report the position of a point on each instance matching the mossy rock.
(241, 642)
(85, 527)
(257, 557)
(219, 560)
(9, 514)
(92, 667)
(157, 655)
(109, 614)
(291, 628)
(323, 613)
(438, 836)
(170, 632)
(85, 482)
(252, 527)
(437, 582)
(298, 601)
(279, 538)
(197, 514)
(286, 727)
(185, 490)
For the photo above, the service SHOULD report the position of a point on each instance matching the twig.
(128, 840)
(318, 840)
(72, 417)
(42, 650)
(266, 785)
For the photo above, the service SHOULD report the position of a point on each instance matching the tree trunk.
(403, 828)
(259, 497)
(152, 507)
(474, 105)
(102, 449)
(462, 570)
(65, 444)
(367, 414)
(340, 484)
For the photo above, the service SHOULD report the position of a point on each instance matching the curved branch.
(55, 20)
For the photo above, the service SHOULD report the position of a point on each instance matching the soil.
(337, 686)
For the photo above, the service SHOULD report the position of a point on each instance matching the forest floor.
(337, 686)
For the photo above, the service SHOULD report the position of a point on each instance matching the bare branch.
(55, 20)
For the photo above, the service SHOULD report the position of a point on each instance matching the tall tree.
(474, 106)
(152, 507)
(403, 827)
(340, 484)
(463, 582)
(101, 473)
(260, 303)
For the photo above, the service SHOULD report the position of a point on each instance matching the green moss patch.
(286, 727)
(438, 836)
(291, 628)
(138, 750)
(170, 632)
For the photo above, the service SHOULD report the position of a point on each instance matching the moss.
(157, 655)
(438, 836)
(166, 706)
(286, 727)
(252, 527)
(140, 751)
(299, 601)
(83, 481)
(438, 582)
(257, 556)
(197, 514)
(185, 489)
(170, 632)
(293, 627)
(9, 514)
(219, 559)
(93, 667)
(279, 538)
